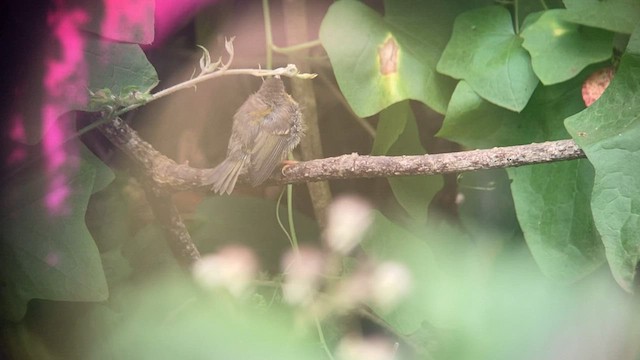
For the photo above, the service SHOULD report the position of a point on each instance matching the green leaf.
(379, 60)
(475, 123)
(608, 132)
(46, 249)
(486, 53)
(249, 221)
(397, 134)
(551, 200)
(488, 302)
(169, 317)
(118, 67)
(486, 205)
(101, 65)
(616, 15)
(148, 251)
(560, 49)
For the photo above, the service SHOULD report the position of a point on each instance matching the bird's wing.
(271, 144)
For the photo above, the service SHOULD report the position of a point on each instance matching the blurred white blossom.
(348, 219)
(354, 347)
(233, 268)
(303, 270)
(390, 282)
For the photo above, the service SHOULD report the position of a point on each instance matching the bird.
(265, 129)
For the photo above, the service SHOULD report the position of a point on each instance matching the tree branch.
(155, 168)
(170, 176)
(357, 166)
(179, 239)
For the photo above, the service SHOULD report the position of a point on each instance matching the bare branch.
(178, 237)
(357, 166)
(170, 176)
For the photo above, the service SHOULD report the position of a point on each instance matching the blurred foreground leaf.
(171, 318)
(46, 250)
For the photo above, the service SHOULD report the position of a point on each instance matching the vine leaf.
(614, 15)
(88, 65)
(560, 49)
(486, 53)
(397, 134)
(47, 251)
(551, 200)
(608, 132)
(380, 60)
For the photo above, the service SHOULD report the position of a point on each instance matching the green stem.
(284, 229)
(516, 13)
(267, 32)
(292, 227)
(297, 47)
(544, 4)
(323, 341)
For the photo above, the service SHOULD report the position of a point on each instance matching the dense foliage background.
(538, 261)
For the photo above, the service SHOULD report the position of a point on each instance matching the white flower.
(233, 267)
(348, 219)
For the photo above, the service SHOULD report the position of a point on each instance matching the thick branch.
(156, 168)
(168, 175)
(356, 166)
(165, 173)
(176, 231)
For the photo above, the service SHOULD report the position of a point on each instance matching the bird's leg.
(286, 163)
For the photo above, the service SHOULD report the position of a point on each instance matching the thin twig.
(290, 71)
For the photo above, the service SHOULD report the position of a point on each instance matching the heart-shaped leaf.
(380, 60)
(485, 52)
(560, 49)
(47, 251)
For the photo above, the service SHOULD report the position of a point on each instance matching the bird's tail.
(224, 176)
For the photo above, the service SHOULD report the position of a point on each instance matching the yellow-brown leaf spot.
(388, 56)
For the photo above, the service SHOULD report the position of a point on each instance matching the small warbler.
(265, 129)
